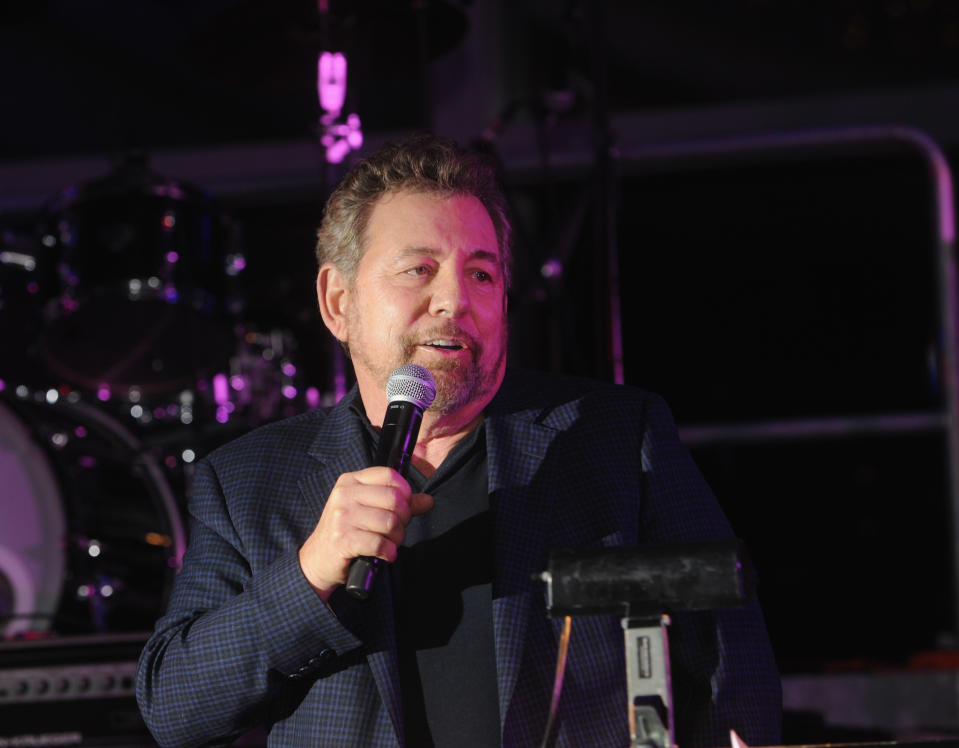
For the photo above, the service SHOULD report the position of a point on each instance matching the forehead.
(436, 221)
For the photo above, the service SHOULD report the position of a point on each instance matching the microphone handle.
(401, 426)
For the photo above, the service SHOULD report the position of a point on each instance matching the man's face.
(429, 290)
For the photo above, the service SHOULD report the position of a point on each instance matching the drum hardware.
(260, 382)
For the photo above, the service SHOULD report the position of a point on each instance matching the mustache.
(449, 330)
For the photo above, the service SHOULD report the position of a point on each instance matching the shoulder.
(558, 400)
(280, 436)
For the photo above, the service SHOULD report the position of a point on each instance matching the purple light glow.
(238, 383)
(336, 152)
(313, 397)
(331, 81)
(354, 135)
(552, 268)
(172, 257)
(221, 392)
(289, 369)
(289, 392)
(103, 394)
(222, 415)
(80, 432)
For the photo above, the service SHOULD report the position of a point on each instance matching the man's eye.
(482, 275)
(419, 270)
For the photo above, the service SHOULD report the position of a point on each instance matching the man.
(454, 646)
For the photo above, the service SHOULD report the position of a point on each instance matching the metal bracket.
(648, 683)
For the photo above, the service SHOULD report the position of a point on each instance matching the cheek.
(491, 314)
(389, 314)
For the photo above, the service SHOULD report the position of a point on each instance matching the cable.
(558, 680)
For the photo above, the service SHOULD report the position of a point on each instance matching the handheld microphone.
(410, 391)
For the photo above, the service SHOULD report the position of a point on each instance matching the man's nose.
(449, 295)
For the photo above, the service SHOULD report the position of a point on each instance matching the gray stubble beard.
(458, 385)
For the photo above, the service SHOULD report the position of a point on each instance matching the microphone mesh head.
(411, 383)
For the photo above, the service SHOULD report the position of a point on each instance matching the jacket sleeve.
(237, 647)
(723, 669)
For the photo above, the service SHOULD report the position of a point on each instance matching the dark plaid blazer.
(572, 464)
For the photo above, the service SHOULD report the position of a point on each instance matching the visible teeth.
(444, 344)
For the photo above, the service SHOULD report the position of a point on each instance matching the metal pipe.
(799, 429)
(947, 281)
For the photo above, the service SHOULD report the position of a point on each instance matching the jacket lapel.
(337, 449)
(521, 497)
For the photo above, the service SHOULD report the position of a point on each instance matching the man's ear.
(333, 295)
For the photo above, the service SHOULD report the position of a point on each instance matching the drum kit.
(125, 354)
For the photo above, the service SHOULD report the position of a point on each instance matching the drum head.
(92, 538)
(32, 533)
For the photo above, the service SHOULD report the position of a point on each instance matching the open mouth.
(445, 345)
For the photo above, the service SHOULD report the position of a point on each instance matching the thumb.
(420, 503)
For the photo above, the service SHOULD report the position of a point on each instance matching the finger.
(393, 493)
(373, 544)
(389, 524)
(378, 476)
(420, 503)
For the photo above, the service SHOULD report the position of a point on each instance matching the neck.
(437, 438)
(438, 433)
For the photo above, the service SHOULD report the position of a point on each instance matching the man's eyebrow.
(485, 254)
(413, 250)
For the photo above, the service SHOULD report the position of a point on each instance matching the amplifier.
(76, 690)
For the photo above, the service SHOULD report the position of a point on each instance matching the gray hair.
(419, 163)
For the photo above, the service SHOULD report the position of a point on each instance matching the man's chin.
(456, 389)
(453, 391)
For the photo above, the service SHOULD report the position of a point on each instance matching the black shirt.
(442, 592)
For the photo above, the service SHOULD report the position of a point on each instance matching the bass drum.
(91, 536)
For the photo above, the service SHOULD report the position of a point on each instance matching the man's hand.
(366, 514)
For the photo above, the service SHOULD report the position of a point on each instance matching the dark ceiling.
(107, 75)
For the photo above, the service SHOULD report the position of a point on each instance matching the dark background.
(757, 283)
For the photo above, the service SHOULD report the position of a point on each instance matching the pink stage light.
(221, 390)
(331, 81)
